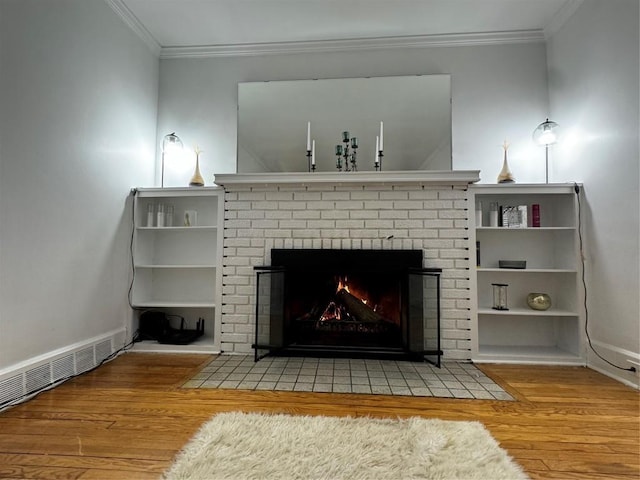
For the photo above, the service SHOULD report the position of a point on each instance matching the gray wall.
(78, 91)
(594, 87)
(498, 92)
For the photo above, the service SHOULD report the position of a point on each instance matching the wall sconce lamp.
(546, 134)
(171, 144)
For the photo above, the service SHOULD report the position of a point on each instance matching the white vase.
(197, 180)
(505, 175)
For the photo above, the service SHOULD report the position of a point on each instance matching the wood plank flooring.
(128, 418)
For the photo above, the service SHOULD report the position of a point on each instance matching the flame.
(343, 284)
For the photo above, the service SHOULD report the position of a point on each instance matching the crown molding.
(320, 46)
(134, 24)
(563, 14)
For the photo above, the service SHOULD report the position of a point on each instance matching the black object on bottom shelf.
(156, 326)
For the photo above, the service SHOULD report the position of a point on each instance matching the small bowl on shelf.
(539, 301)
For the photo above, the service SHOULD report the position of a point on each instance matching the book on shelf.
(522, 215)
(535, 215)
(514, 216)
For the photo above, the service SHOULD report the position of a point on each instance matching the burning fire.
(343, 284)
(351, 303)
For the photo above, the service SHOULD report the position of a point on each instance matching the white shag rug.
(238, 446)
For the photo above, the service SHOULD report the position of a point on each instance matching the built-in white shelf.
(551, 253)
(526, 355)
(524, 271)
(520, 312)
(203, 345)
(176, 268)
(179, 229)
(523, 229)
(170, 304)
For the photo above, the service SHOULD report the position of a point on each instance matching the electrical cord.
(576, 189)
(133, 267)
(11, 403)
(17, 401)
(134, 192)
(136, 336)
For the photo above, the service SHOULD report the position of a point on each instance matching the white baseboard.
(618, 356)
(24, 378)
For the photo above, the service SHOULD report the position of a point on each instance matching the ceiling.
(198, 23)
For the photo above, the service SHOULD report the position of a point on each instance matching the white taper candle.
(375, 154)
(381, 136)
(308, 136)
(313, 153)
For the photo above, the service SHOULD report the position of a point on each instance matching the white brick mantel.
(424, 210)
(434, 177)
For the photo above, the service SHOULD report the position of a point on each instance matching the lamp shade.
(171, 145)
(170, 142)
(546, 133)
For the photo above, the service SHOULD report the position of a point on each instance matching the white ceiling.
(198, 23)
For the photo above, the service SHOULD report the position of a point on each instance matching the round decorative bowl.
(539, 301)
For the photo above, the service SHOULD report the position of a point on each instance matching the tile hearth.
(343, 375)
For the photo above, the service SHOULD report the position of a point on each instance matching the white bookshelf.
(177, 268)
(551, 252)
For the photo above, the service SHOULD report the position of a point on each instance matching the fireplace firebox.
(357, 303)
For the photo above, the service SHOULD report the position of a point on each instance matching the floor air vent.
(62, 368)
(10, 389)
(76, 361)
(103, 350)
(38, 377)
(84, 360)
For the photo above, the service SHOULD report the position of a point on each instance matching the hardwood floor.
(128, 418)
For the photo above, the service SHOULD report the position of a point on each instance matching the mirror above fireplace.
(415, 110)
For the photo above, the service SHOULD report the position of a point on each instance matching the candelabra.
(311, 165)
(378, 163)
(349, 155)
(311, 157)
(311, 150)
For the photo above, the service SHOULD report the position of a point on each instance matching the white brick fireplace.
(338, 210)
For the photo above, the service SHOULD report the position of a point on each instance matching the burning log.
(357, 308)
(332, 312)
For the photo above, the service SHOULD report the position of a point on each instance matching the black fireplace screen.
(348, 302)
